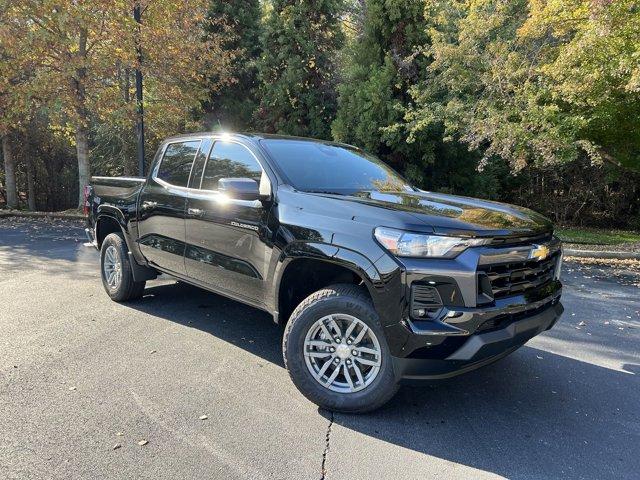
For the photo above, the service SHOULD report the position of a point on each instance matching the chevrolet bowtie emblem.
(539, 252)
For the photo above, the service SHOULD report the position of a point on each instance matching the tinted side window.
(176, 163)
(229, 160)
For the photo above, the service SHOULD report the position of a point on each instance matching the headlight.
(407, 244)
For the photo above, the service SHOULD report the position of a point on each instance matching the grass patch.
(597, 237)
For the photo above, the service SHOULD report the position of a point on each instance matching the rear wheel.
(117, 277)
(336, 353)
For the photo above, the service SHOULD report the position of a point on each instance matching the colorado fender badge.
(244, 225)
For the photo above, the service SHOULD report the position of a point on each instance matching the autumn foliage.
(534, 102)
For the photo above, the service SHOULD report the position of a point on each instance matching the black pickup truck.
(376, 281)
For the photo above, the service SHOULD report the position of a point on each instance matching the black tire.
(126, 288)
(346, 299)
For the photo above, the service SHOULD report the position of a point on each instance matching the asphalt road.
(80, 374)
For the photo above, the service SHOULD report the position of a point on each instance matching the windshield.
(321, 168)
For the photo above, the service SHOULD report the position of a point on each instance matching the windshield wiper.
(327, 192)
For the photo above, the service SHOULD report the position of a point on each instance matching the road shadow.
(231, 321)
(54, 245)
(532, 415)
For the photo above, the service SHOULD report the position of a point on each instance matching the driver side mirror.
(239, 188)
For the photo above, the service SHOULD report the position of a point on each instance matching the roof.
(255, 136)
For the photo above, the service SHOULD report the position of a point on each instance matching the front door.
(162, 207)
(227, 245)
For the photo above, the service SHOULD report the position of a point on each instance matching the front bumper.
(455, 321)
(474, 351)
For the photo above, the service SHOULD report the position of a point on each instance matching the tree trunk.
(9, 172)
(129, 167)
(78, 89)
(31, 182)
(84, 169)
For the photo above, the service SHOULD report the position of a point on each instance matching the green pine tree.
(382, 63)
(232, 107)
(297, 70)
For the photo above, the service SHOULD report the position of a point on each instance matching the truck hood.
(446, 213)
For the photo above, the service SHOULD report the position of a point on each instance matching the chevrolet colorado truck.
(375, 281)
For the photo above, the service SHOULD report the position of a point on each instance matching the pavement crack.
(323, 469)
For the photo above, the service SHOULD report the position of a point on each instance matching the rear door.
(162, 207)
(227, 239)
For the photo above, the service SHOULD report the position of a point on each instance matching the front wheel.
(117, 277)
(336, 353)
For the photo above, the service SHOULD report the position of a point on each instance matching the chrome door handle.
(149, 205)
(195, 212)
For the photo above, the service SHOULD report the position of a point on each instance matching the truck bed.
(105, 187)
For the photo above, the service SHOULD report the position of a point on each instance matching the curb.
(63, 216)
(568, 252)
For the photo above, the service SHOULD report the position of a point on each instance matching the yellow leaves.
(591, 48)
(560, 17)
(64, 131)
(179, 57)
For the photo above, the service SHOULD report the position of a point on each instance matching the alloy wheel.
(342, 353)
(112, 267)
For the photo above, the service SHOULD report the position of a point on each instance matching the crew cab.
(375, 281)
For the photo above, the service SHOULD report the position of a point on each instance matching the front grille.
(520, 240)
(519, 277)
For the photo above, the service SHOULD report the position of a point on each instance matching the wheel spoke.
(335, 326)
(333, 375)
(356, 368)
(365, 361)
(350, 329)
(366, 350)
(326, 331)
(317, 354)
(347, 376)
(323, 369)
(360, 335)
(318, 343)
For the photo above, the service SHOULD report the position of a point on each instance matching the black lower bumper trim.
(480, 349)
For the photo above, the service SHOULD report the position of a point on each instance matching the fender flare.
(333, 254)
(141, 272)
(112, 213)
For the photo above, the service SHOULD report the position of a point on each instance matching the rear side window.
(229, 160)
(176, 162)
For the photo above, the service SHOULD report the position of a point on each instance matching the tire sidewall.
(373, 395)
